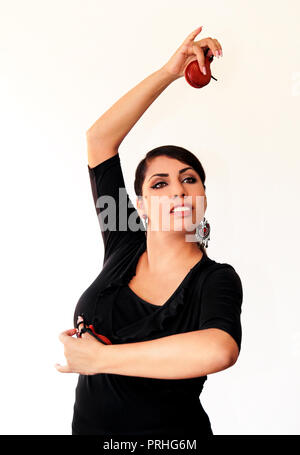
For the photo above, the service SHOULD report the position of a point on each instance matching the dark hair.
(173, 151)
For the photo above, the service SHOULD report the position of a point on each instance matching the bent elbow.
(230, 357)
(227, 358)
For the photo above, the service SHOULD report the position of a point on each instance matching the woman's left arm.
(179, 356)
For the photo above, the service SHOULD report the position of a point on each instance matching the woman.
(161, 315)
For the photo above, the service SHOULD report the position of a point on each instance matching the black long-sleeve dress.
(210, 296)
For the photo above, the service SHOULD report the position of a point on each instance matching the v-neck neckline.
(133, 268)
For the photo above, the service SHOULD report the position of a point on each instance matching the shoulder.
(223, 272)
(113, 162)
(216, 275)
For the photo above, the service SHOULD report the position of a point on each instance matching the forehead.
(164, 164)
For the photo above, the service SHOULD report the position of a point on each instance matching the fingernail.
(203, 70)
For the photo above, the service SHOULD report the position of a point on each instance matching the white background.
(63, 64)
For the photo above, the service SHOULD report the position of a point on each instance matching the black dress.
(210, 296)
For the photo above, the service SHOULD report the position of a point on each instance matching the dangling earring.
(203, 232)
(146, 222)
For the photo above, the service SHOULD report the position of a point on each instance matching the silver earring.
(203, 232)
(146, 222)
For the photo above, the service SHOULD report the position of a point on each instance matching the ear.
(139, 203)
(141, 206)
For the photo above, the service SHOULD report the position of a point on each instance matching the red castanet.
(103, 338)
(195, 77)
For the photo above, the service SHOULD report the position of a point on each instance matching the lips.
(181, 205)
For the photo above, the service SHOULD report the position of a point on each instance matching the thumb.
(62, 368)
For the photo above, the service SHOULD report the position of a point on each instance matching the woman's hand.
(189, 50)
(83, 354)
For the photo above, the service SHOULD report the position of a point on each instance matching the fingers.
(64, 336)
(200, 57)
(192, 35)
(219, 47)
(86, 335)
(213, 45)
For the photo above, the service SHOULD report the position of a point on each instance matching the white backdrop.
(63, 64)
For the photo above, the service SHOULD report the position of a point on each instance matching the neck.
(170, 249)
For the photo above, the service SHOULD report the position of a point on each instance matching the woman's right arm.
(107, 133)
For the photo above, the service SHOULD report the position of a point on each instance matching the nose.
(179, 194)
(182, 194)
(178, 190)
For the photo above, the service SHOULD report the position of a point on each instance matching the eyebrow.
(167, 175)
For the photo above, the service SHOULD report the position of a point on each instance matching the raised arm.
(106, 175)
(106, 134)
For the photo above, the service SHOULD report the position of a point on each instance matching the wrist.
(167, 75)
(103, 358)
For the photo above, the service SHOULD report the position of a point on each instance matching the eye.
(155, 187)
(193, 180)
